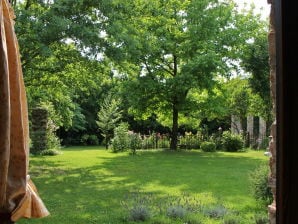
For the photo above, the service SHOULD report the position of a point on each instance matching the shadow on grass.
(92, 194)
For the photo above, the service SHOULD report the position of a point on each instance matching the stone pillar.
(250, 129)
(236, 126)
(272, 144)
(262, 131)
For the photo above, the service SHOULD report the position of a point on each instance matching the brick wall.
(272, 145)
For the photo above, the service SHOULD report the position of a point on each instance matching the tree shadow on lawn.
(92, 194)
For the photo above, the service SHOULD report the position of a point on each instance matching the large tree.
(59, 43)
(255, 60)
(167, 48)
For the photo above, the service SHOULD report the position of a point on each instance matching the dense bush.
(216, 211)
(208, 146)
(49, 152)
(259, 184)
(261, 219)
(53, 142)
(232, 220)
(135, 141)
(139, 213)
(120, 142)
(176, 212)
(231, 142)
(190, 141)
(89, 140)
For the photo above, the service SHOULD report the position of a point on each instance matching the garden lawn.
(85, 185)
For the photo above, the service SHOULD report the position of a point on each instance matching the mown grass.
(87, 184)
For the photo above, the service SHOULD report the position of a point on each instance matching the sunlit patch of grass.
(86, 184)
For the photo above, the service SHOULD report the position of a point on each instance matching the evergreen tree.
(108, 117)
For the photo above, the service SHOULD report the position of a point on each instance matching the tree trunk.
(174, 139)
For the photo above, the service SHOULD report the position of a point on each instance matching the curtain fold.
(18, 195)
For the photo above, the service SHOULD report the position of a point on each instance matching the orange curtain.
(18, 195)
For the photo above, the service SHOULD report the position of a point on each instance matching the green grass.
(87, 184)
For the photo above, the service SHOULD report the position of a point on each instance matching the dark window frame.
(286, 25)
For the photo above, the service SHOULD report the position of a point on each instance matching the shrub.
(49, 152)
(264, 143)
(89, 140)
(189, 141)
(232, 220)
(216, 212)
(120, 142)
(53, 142)
(260, 184)
(261, 219)
(138, 205)
(149, 142)
(93, 140)
(208, 146)
(135, 141)
(176, 212)
(139, 213)
(216, 138)
(232, 142)
(84, 139)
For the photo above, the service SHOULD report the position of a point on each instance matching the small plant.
(232, 142)
(231, 220)
(261, 219)
(216, 212)
(208, 146)
(259, 184)
(120, 142)
(139, 213)
(135, 141)
(138, 205)
(176, 212)
(49, 152)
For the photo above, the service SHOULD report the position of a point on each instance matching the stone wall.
(272, 144)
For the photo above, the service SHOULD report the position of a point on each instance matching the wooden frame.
(286, 20)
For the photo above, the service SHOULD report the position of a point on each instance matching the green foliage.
(232, 142)
(141, 206)
(176, 212)
(255, 60)
(53, 142)
(259, 184)
(120, 141)
(89, 139)
(261, 219)
(190, 141)
(139, 213)
(138, 206)
(232, 220)
(135, 141)
(49, 152)
(43, 129)
(108, 116)
(216, 211)
(156, 54)
(238, 94)
(208, 146)
(163, 53)
(58, 66)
